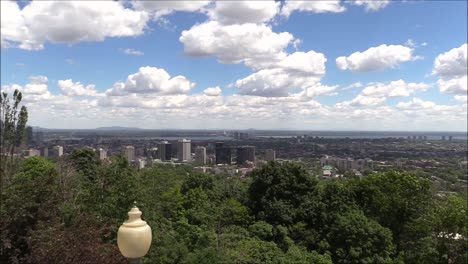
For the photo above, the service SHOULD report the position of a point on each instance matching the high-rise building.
(39, 137)
(129, 153)
(140, 164)
(139, 151)
(152, 153)
(270, 155)
(102, 154)
(164, 150)
(443, 137)
(57, 151)
(200, 155)
(184, 150)
(223, 154)
(243, 136)
(450, 138)
(29, 135)
(45, 152)
(245, 154)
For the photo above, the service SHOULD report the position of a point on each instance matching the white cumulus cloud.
(362, 100)
(375, 94)
(67, 22)
(394, 88)
(240, 12)
(252, 44)
(70, 88)
(376, 58)
(454, 85)
(451, 63)
(298, 70)
(152, 80)
(212, 91)
(159, 9)
(330, 6)
(451, 68)
(372, 5)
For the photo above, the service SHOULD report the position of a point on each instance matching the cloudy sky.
(318, 65)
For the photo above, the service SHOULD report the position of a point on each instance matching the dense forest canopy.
(68, 211)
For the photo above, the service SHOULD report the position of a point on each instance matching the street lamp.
(134, 236)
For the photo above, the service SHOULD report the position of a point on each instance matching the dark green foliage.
(393, 199)
(13, 121)
(440, 234)
(86, 162)
(31, 198)
(277, 191)
(354, 238)
(69, 212)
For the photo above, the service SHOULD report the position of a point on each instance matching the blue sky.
(258, 64)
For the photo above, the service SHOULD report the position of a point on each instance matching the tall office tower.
(414, 137)
(236, 135)
(420, 137)
(223, 154)
(58, 151)
(184, 150)
(102, 154)
(245, 154)
(29, 135)
(129, 153)
(243, 136)
(425, 137)
(270, 155)
(45, 152)
(152, 153)
(450, 138)
(39, 137)
(200, 155)
(443, 137)
(164, 150)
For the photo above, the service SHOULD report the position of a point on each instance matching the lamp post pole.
(134, 237)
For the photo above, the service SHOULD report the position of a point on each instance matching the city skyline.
(294, 65)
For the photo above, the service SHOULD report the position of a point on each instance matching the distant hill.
(118, 128)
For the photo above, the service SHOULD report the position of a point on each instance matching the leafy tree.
(392, 198)
(30, 198)
(440, 235)
(356, 239)
(319, 213)
(198, 180)
(86, 162)
(51, 243)
(12, 129)
(278, 190)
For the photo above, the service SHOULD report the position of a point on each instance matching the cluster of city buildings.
(224, 155)
(331, 165)
(237, 153)
(424, 137)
